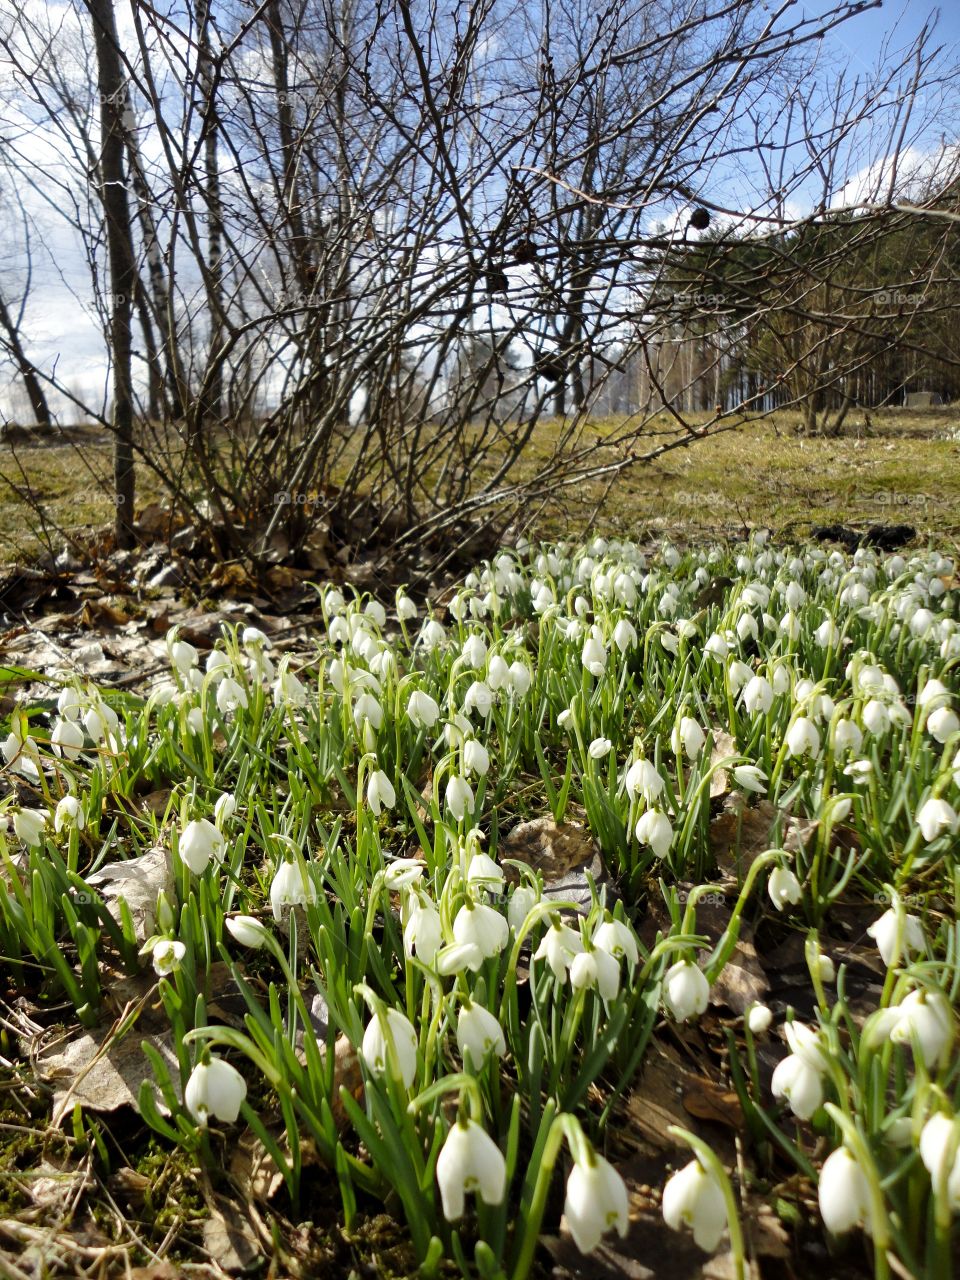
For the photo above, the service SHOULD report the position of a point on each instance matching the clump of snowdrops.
(335, 827)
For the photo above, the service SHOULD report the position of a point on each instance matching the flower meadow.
(333, 836)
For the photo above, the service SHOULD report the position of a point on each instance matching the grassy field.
(902, 468)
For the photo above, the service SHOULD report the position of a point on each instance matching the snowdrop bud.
(469, 1161)
(215, 1088)
(380, 792)
(934, 817)
(757, 696)
(803, 738)
(69, 813)
(596, 1201)
(844, 1193)
(168, 956)
(688, 736)
(654, 829)
(759, 1018)
(225, 808)
(942, 723)
(378, 1054)
(200, 842)
(686, 991)
(247, 930)
(827, 969)
(599, 748)
(783, 887)
(479, 1032)
(692, 1198)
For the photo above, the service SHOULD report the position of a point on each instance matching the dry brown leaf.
(139, 881)
(707, 1100)
(227, 1237)
(563, 853)
(103, 1073)
(724, 746)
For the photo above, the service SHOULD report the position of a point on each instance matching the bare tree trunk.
(38, 401)
(113, 99)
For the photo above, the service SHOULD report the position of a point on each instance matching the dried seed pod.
(524, 250)
(700, 219)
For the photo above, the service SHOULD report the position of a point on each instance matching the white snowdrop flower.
(474, 651)
(432, 635)
(559, 947)
(942, 724)
(739, 674)
(247, 930)
(653, 828)
(688, 737)
(195, 720)
(565, 717)
(230, 695)
(400, 873)
(288, 689)
(925, 1015)
(875, 717)
(291, 887)
(479, 1032)
(100, 721)
(368, 708)
(596, 969)
(801, 1085)
(69, 813)
(717, 647)
(847, 736)
(643, 779)
(886, 931)
(934, 694)
(783, 887)
(390, 1046)
(380, 792)
(596, 1201)
(922, 622)
(625, 636)
(522, 901)
(66, 739)
(70, 703)
(422, 931)
(617, 939)
(479, 698)
(692, 1198)
(483, 927)
(484, 873)
(860, 771)
(803, 738)
(167, 956)
(759, 1018)
(757, 696)
(940, 1153)
(422, 709)
(498, 673)
(214, 1088)
(594, 656)
(599, 748)
(826, 969)
(476, 758)
(780, 679)
(459, 797)
(406, 609)
(183, 656)
(747, 627)
(827, 635)
(469, 1160)
(934, 817)
(844, 1193)
(521, 677)
(686, 991)
(750, 778)
(199, 844)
